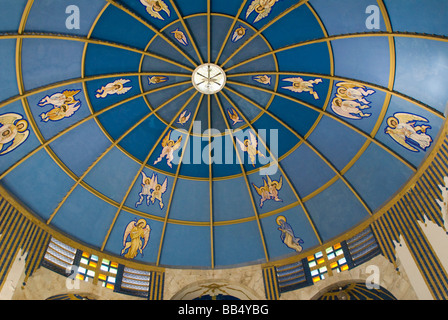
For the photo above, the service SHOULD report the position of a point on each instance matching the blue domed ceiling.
(328, 109)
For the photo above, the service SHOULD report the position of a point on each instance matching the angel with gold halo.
(146, 189)
(65, 97)
(287, 235)
(169, 146)
(299, 85)
(116, 87)
(233, 115)
(250, 146)
(153, 7)
(184, 117)
(64, 105)
(262, 7)
(403, 129)
(158, 190)
(352, 92)
(13, 132)
(135, 238)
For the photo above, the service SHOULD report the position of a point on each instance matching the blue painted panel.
(229, 7)
(410, 16)
(335, 210)
(191, 201)
(313, 58)
(194, 161)
(347, 18)
(45, 61)
(75, 217)
(422, 71)
(39, 170)
(11, 14)
(301, 227)
(336, 142)
(278, 9)
(160, 47)
(51, 16)
(8, 77)
(186, 246)
(306, 170)
(113, 175)
(10, 158)
(377, 175)
(231, 200)
(117, 26)
(237, 243)
(81, 146)
(115, 240)
(297, 26)
(103, 59)
(357, 58)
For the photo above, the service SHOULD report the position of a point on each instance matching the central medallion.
(209, 78)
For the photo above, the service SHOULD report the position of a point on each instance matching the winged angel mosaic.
(116, 87)
(250, 146)
(269, 190)
(152, 190)
(13, 132)
(350, 100)
(169, 146)
(154, 7)
(403, 128)
(135, 238)
(261, 7)
(64, 105)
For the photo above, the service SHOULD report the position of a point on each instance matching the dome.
(215, 134)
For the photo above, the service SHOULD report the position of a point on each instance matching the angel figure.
(403, 129)
(158, 190)
(233, 115)
(264, 79)
(180, 37)
(262, 7)
(287, 235)
(60, 112)
(238, 33)
(169, 146)
(157, 79)
(116, 87)
(146, 190)
(138, 234)
(299, 85)
(13, 132)
(183, 119)
(351, 91)
(66, 97)
(349, 109)
(269, 190)
(153, 7)
(250, 146)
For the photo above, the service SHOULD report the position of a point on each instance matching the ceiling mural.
(216, 133)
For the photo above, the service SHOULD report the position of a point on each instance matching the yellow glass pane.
(92, 264)
(86, 254)
(316, 279)
(320, 261)
(344, 267)
(333, 265)
(79, 276)
(114, 265)
(102, 276)
(110, 286)
(310, 258)
(337, 246)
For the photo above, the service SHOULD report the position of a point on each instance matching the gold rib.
(332, 116)
(267, 25)
(245, 179)
(277, 163)
(210, 180)
(165, 221)
(317, 152)
(187, 30)
(226, 39)
(209, 32)
(90, 41)
(156, 31)
(126, 196)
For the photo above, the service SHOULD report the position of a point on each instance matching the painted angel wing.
(338, 110)
(264, 14)
(72, 108)
(297, 79)
(177, 144)
(188, 117)
(408, 117)
(70, 93)
(146, 233)
(253, 140)
(259, 190)
(349, 85)
(401, 139)
(153, 182)
(20, 137)
(242, 146)
(164, 186)
(165, 8)
(9, 118)
(166, 139)
(127, 231)
(280, 183)
(252, 7)
(150, 9)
